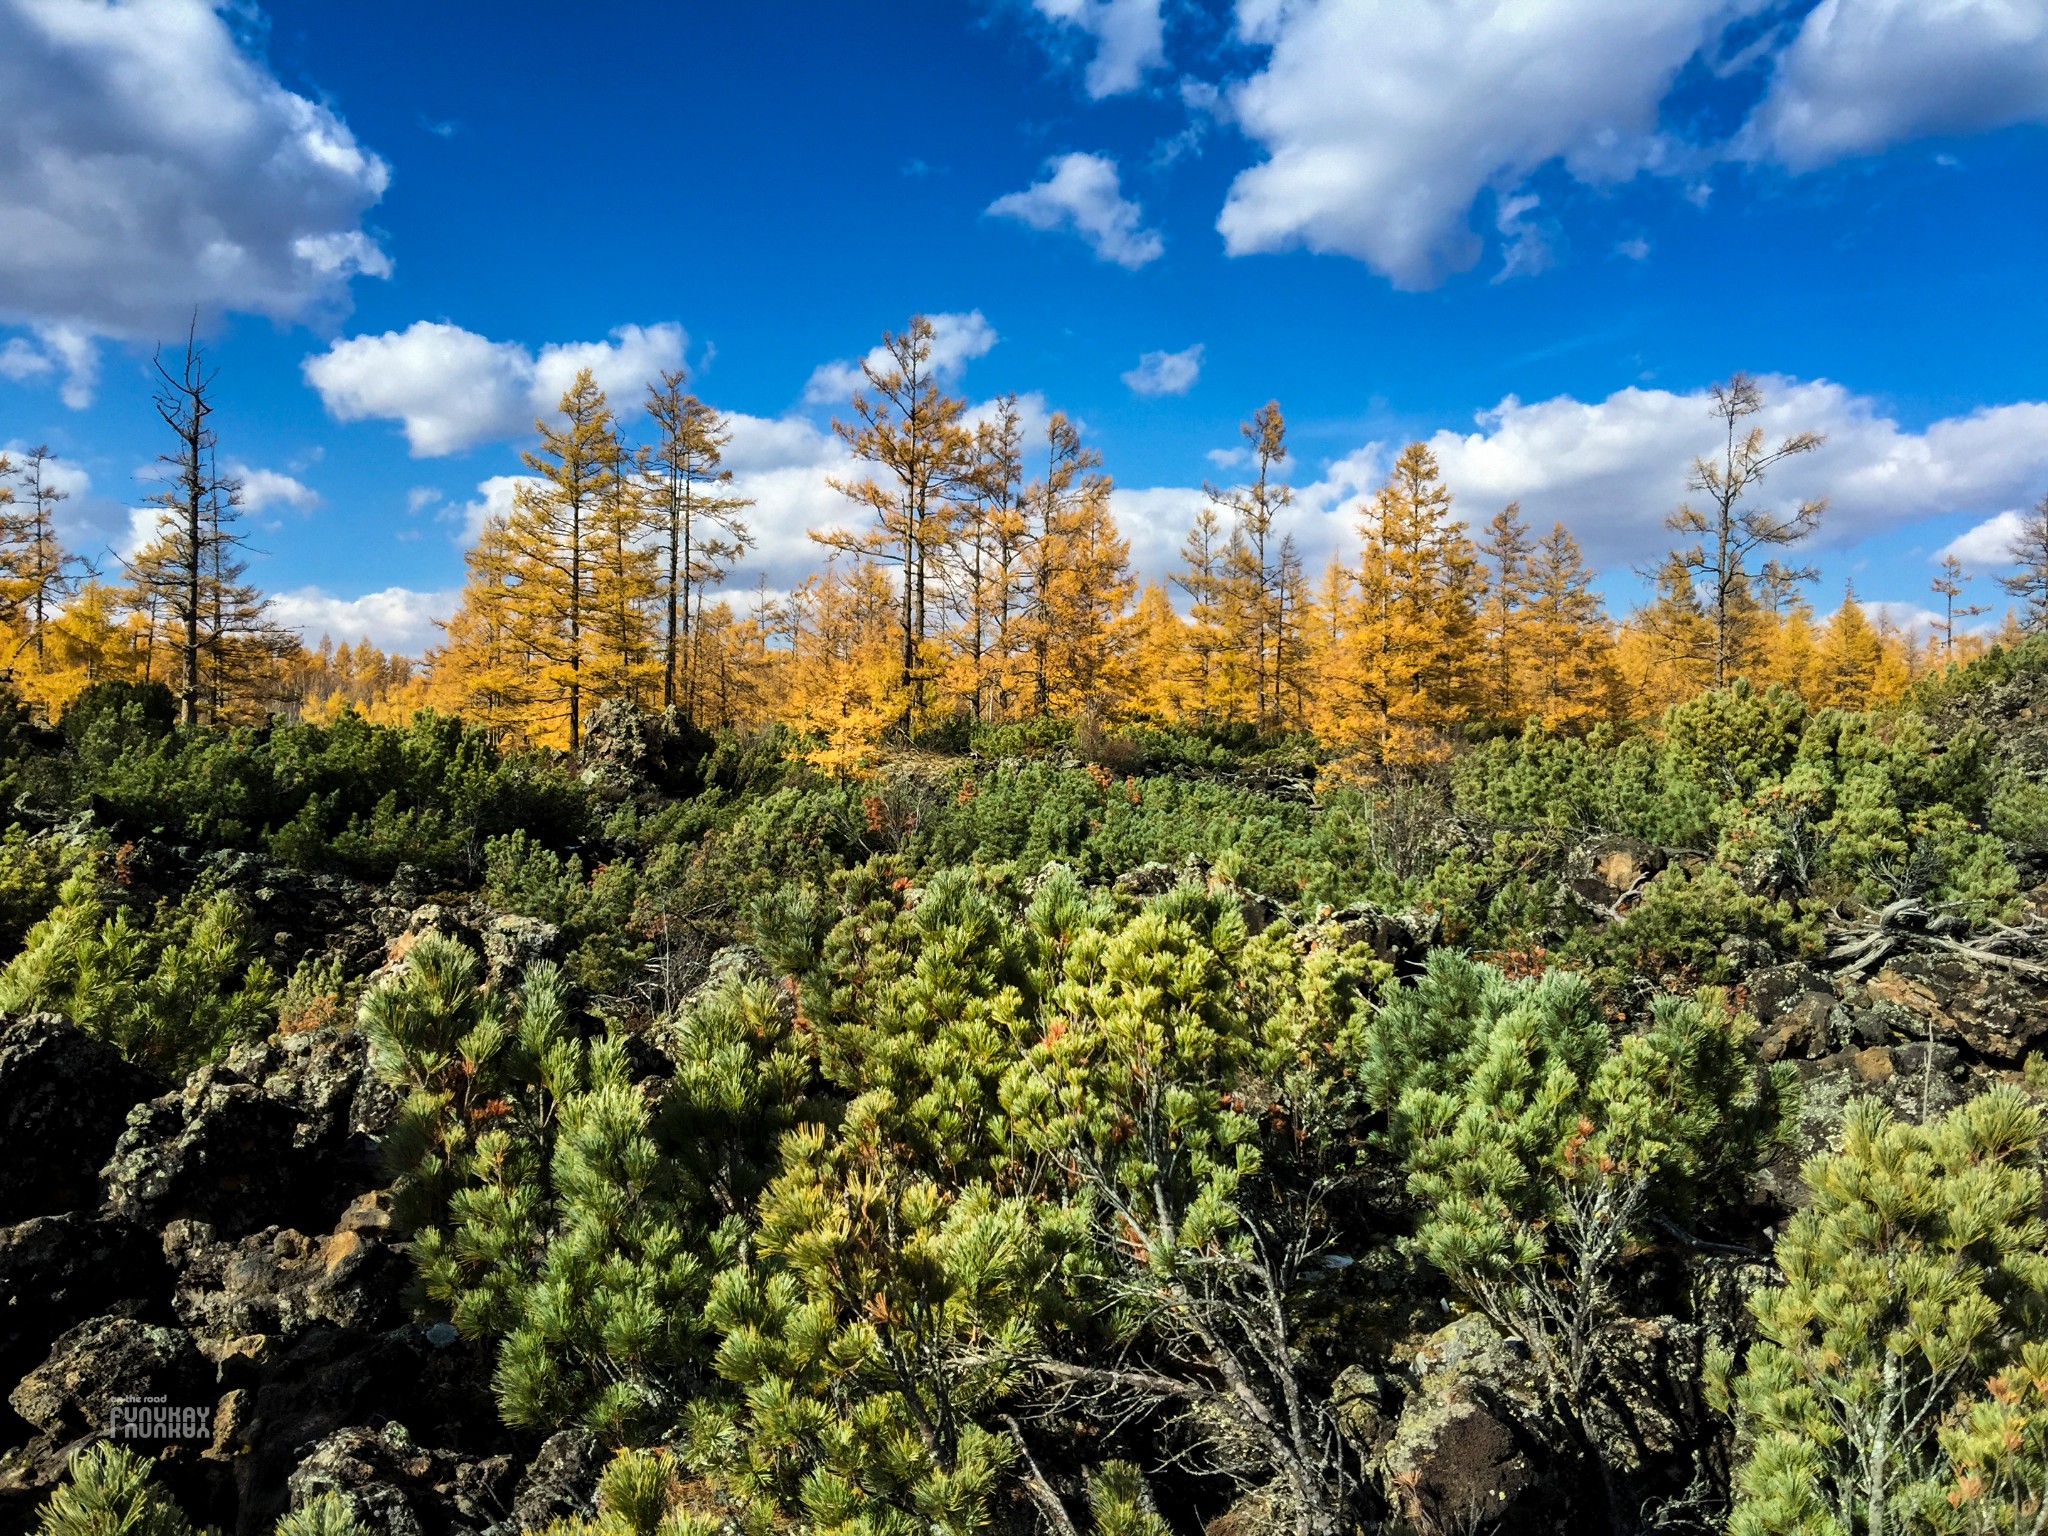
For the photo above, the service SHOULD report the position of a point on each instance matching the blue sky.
(1529, 234)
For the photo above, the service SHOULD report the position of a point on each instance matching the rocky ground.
(226, 1244)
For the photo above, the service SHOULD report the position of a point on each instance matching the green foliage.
(33, 867)
(318, 993)
(1731, 741)
(110, 1492)
(1918, 1270)
(1683, 924)
(1998, 1451)
(351, 796)
(1120, 1503)
(596, 916)
(883, 1317)
(1541, 1151)
(639, 1494)
(557, 1212)
(328, 1514)
(170, 995)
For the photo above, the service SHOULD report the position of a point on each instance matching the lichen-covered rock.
(397, 1487)
(57, 1271)
(511, 944)
(1794, 1005)
(1460, 1455)
(281, 1134)
(64, 1097)
(1989, 1009)
(105, 1359)
(560, 1483)
(1400, 939)
(235, 1295)
(1606, 875)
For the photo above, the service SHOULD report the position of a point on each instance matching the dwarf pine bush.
(1916, 1276)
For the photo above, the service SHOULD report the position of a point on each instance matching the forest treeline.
(982, 580)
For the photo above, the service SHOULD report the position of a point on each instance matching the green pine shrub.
(1916, 1275)
(110, 1491)
(556, 1212)
(172, 993)
(1543, 1153)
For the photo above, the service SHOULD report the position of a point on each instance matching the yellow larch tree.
(625, 649)
(919, 455)
(1730, 529)
(1665, 652)
(846, 689)
(551, 541)
(1567, 675)
(484, 669)
(1505, 591)
(1154, 639)
(1848, 660)
(991, 557)
(1260, 581)
(1080, 580)
(698, 524)
(1948, 586)
(1411, 658)
(35, 569)
(1204, 675)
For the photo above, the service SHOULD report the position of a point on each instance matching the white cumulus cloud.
(1863, 74)
(451, 389)
(148, 164)
(1989, 544)
(1129, 38)
(1383, 121)
(1081, 193)
(956, 341)
(397, 619)
(265, 489)
(1166, 373)
(1613, 469)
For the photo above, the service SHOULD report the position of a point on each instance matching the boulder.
(64, 1097)
(1995, 1013)
(511, 944)
(281, 1134)
(560, 1483)
(235, 1297)
(1400, 939)
(1794, 1004)
(397, 1487)
(303, 1390)
(1606, 875)
(90, 1368)
(1460, 1456)
(1148, 880)
(57, 1271)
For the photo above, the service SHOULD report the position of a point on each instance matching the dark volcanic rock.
(1460, 1457)
(105, 1359)
(1794, 1003)
(1400, 939)
(1990, 1010)
(399, 1488)
(333, 1379)
(56, 1271)
(63, 1099)
(561, 1481)
(279, 1134)
(1608, 874)
(235, 1296)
